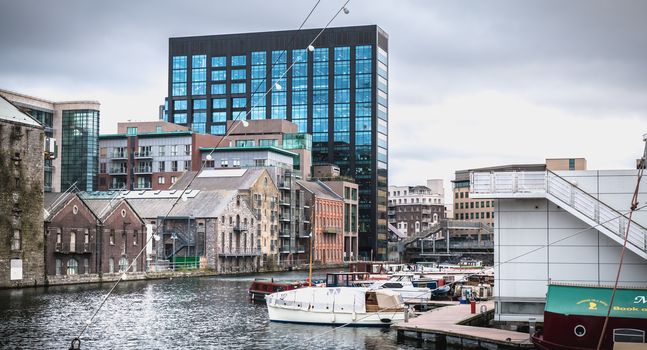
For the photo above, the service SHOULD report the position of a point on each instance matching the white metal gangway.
(581, 204)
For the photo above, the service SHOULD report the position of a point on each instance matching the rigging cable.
(633, 208)
(76, 340)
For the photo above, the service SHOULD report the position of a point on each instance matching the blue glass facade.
(338, 93)
(80, 149)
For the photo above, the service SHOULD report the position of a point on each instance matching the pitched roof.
(220, 179)
(319, 189)
(203, 204)
(11, 113)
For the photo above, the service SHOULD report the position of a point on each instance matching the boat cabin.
(345, 279)
(574, 317)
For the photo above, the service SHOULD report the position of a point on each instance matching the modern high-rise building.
(75, 127)
(335, 90)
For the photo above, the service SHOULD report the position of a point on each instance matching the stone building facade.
(21, 198)
(413, 209)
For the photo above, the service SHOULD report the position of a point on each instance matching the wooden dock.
(449, 325)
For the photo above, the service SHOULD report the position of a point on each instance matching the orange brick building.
(327, 216)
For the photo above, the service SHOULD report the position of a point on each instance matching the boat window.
(392, 285)
(579, 330)
(628, 335)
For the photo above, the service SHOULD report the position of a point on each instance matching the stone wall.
(21, 205)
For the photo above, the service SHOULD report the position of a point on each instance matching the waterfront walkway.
(449, 324)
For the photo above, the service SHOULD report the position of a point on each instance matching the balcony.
(301, 249)
(144, 170)
(285, 185)
(426, 211)
(331, 230)
(242, 252)
(285, 249)
(240, 227)
(143, 155)
(119, 155)
(79, 248)
(117, 186)
(284, 218)
(284, 233)
(391, 212)
(118, 171)
(143, 187)
(284, 202)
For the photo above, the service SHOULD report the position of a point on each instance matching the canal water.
(178, 313)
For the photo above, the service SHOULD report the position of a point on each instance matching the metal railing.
(562, 192)
(241, 252)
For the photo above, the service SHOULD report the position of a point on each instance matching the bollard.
(406, 316)
(472, 306)
(531, 326)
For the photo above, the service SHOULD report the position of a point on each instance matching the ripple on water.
(195, 313)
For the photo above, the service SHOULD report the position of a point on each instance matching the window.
(187, 165)
(219, 103)
(218, 129)
(135, 237)
(199, 61)
(220, 61)
(161, 180)
(173, 179)
(72, 267)
(16, 240)
(238, 102)
(238, 60)
(218, 89)
(59, 265)
(200, 104)
(162, 166)
(180, 118)
(174, 165)
(123, 264)
(219, 75)
(238, 74)
(238, 88)
(571, 164)
(112, 237)
(86, 266)
(131, 131)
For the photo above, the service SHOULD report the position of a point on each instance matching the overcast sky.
(471, 83)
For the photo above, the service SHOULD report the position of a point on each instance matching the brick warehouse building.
(338, 92)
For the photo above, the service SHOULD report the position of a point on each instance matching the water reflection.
(196, 313)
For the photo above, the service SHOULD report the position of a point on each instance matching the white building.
(560, 226)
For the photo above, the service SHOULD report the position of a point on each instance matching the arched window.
(72, 241)
(59, 265)
(86, 241)
(123, 264)
(72, 267)
(111, 265)
(86, 266)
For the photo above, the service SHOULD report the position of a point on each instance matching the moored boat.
(262, 287)
(574, 317)
(337, 306)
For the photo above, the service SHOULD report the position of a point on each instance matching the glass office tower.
(80, 149)
(337, 92)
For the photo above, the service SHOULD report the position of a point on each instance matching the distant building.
(413, 209)
(148, 155)
(338, 93)
(75, 127)
(255, 186)
(21, 198)
(327, 221)
(347, 190)
(205, 229)
(482, 209)
(89, 237)
(560, 227)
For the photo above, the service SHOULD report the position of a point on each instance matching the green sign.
(594, 301)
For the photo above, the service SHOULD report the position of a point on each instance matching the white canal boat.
(337, 306)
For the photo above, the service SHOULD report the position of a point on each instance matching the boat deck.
(448, 325)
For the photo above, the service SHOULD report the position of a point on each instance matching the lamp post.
(173, 237)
